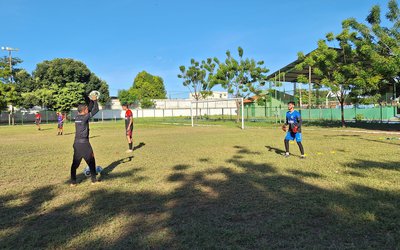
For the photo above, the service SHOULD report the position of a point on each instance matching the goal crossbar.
(240, 100)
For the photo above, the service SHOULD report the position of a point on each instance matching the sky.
(117, 39)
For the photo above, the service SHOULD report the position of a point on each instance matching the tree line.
(59, 84)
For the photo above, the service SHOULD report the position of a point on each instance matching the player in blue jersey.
(293, 129)
(60, 123)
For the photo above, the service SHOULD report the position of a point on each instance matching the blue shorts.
(290, 136)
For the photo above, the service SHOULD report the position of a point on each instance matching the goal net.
(216, 111)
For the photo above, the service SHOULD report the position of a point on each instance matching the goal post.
(207, 111)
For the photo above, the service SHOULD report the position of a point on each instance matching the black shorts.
(37, 121)
(60, 125)
(83, 150)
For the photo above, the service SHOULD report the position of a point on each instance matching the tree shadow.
(352, 124)
(304, 173)
(244, 150)
(181, 167)
(381, 141)
(366, 164)
(248, 206)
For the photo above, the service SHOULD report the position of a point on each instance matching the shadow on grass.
(107, 170)
(364, 164)
(44, 129)
(276, 150)
(140, 145)
(252, 206)
(385, 141)
(352, 124)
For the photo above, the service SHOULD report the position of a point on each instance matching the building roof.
(289, 73)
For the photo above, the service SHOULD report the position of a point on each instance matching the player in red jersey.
(38, 119)
(128, 126)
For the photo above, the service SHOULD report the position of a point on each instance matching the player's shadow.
(69, 133)
(276, 150)
(140, 145)
(107, 170)
(44, 129)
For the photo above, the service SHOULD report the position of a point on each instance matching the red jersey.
(128, 115)
(38, 116)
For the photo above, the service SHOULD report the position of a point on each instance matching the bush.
(359, 117)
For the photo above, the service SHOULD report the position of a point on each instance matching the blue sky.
(117, 39)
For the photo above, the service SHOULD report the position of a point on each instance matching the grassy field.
(202, 187)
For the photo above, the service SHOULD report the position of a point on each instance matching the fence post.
(331, 114)
(47, 117)
(355, 112)
(380, 105)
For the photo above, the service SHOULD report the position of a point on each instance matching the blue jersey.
(60, 119)
(294, 119)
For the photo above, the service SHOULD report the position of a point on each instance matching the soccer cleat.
(302, 157)
(286, 155)
(129, 151)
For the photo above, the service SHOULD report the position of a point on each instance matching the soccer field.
(202, 187)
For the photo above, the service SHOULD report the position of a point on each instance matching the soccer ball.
(86, 171)
(94, 93)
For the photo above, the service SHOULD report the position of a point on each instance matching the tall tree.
(199, 78)
(147, 87)
(341, 69)
(61, 71)
(241, 77)
(9, 94)
(379, 47)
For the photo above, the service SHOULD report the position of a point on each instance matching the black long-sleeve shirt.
(82, 123)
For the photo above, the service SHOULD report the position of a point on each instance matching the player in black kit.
(82, 147)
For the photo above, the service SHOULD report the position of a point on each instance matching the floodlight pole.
(10, 50)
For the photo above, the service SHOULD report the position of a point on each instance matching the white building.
(214, 95)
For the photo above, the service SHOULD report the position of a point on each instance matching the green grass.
(202, 187)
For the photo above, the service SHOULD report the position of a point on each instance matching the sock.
(301, 148)
(130, 146)
(287, 146)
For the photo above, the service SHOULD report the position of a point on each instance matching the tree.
(127, 97)
(241, 77)
(379, 47)
(147, 87)
(199, 78)
(341, 69)
(61, 71)
(69, 96)
(9, 94)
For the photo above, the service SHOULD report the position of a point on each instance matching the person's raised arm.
(95, 107)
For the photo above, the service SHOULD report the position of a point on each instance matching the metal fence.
(251, 113)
